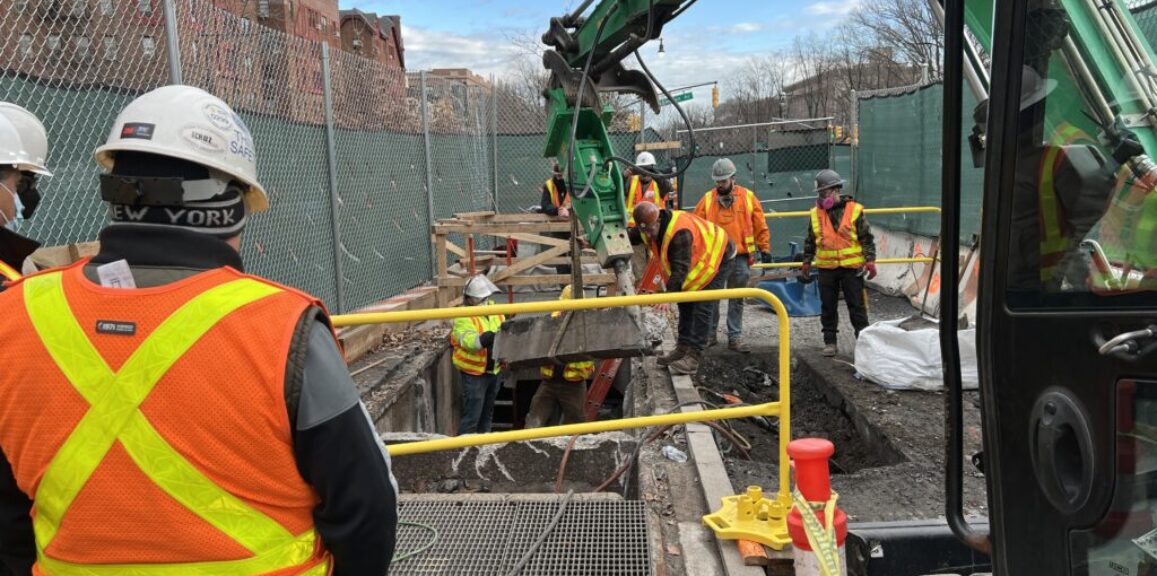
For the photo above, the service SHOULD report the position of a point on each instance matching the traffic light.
(714, 96)
(634, 123)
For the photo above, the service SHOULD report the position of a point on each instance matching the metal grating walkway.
(593, 538)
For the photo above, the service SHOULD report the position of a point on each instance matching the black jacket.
(863, 232)
(338, 452)
(547, 204)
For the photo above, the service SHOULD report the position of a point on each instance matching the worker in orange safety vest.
(738, 211)
(694, 255)
(165, 412)
(840, 243)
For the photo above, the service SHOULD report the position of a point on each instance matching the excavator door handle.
(1130, 345)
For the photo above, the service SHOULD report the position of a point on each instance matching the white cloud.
(747, 27)
(832, 7)
(426, 49)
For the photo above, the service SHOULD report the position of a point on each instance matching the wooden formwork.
(487, 236)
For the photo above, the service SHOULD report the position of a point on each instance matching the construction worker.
(694, 255)
(473, 341)
(738, 211)
(23, 153)
(168, 413)
(564, 388)
(642, 187)
(839, 243)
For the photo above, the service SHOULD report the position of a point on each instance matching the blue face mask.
(14, 223)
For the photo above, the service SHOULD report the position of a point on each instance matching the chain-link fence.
(357, 155)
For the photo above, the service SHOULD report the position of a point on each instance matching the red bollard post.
(812, 477)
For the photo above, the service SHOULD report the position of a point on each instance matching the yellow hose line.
(780, 409)
(915, 260)
(901, 210)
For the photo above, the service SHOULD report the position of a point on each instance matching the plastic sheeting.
(901, 359)
(801, 300)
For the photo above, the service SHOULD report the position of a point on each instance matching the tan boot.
(829, 350)
(688, 365)
(680, 351)
(737, 345)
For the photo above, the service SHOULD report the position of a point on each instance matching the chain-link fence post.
(429, 172)
(494, 135)
(331, 153)
(853, 136)
(173, 43)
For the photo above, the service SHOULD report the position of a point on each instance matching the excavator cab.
(1067, 298)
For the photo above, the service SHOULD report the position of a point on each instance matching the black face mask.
(28, 193)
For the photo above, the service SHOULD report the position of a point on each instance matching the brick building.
(369, 77)
(262, 56)
(76, 43)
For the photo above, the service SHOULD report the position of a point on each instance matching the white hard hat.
(189, 124)
(480, 287)
(28, 152)
(645, 159)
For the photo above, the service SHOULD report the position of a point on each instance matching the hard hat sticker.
(204, 139)
(219, 117)
(138, 130)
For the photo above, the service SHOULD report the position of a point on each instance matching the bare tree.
(907, 26)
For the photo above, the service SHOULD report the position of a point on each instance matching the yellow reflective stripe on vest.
(553, 190)
(294, 553)
(114, 415)
(9, 272)
(850, 257)
(1053, 240)
(704, 269)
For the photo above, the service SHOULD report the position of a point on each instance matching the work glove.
(765, 257)
(564, 213)
(486, 339)
(870, 268)
(806, 269)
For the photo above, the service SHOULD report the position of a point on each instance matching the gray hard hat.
(828, 179)
(722, 169)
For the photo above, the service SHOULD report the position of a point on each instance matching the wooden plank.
(528, 263)
(535, 239)
(441, 266)
(471, 215)
(753, 553)
(514, 228)
(456, 249)
(667, 145)
(534, 279)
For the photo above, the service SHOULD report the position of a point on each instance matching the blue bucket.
(801, 300)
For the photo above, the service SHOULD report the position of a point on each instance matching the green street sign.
(685, 96)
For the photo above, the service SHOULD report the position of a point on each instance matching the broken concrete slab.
(530, 466)
(585, 335)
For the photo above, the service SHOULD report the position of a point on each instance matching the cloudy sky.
(712, 37)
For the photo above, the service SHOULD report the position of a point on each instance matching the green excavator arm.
(613, 30)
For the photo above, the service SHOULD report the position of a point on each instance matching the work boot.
(829, 350)
(688, 365)
(712, 340)
(680, 351)
(737, 345)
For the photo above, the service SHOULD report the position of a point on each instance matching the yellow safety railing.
(900, 210)
(781, 409)
(912, 260)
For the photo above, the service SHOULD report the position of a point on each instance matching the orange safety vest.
(709, 242)
(838, 248)
(150, 426)
(550, 187)
(473, 362)
(636, 193)
(742, 214)
(9, 273)
(1055, 231)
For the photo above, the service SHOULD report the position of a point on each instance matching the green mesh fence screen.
(898, 161)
